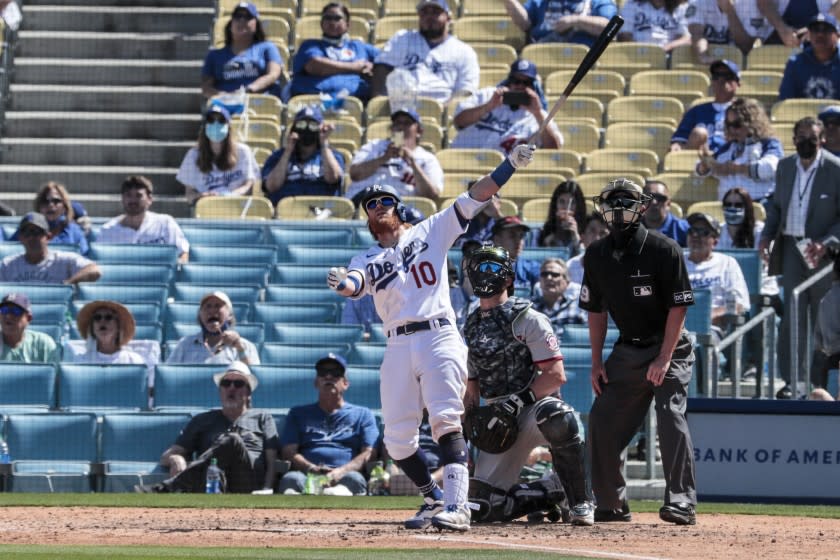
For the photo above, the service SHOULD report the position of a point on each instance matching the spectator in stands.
(38, 265)
(789, 18)
(307, 165)
(19, 344)
(248, 60)
(703, 124)
(442, 65)
(10, 13)
(53, 202)
(815, 72)
(735, 22)
(742, 230)
(487, 120)
(242, 439)
(566, 213)
(559, 298)
(217, 342)
(399, 162)
(330, 437)
(750, 155)
(567, 21)
(509, 233)
(361, 311)
(594, 228)
(830, 117)
(334, 63)
(827, 332)
(107, 328)
(139, 225)
(659, 217)
(661, 22)
(218, 165)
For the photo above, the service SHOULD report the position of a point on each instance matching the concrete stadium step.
(118, 99)
(148, 126)
(93, 152)
(102, 206)
(88, 180)
(92, 45)
(118, 72)
(119, 18)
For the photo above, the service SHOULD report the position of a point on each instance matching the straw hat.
(85, 318)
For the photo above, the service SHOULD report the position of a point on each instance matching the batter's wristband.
(352, 280)
(502, 173)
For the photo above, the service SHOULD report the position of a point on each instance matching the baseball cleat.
(583, 514)
(680, 513)
(423, 518)
(453, 517)
(612, 515)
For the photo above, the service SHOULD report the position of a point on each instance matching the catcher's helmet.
(376, 191)
(489, 269)
(622, 203)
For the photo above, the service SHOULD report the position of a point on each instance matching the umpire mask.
(489, 269)
(622, 203)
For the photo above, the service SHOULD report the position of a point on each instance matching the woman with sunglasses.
(566, 214)
(742, 230)
(335, 62)
(53, 202)
(307, 165)
(750, 155)
(218, 165)
(248, 60)
(107, 327)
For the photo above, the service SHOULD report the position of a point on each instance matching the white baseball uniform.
(442, 70)
(653, 25)
(396, 172)
(716, 25)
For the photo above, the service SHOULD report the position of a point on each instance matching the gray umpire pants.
(619, 410)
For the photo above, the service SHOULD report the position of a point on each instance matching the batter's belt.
(411, 328)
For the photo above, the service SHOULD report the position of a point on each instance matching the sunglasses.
(332, 17)
(734, 124)
(700, 232)
(620, 202)
(657, 198)
(385, 201)
(307, 125)
(243, 16)
(549, 274)
(32, 232)
(493, 267)
(725, 76)
(238, 383)
(733, 205)
(11, 310)
(104, 317)
(518, 82)
(330, 372)
(216, 120)
(52, 201)
(821, 29)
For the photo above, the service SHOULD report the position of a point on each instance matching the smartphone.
(398, 139)
(802, 246)
(516, 98)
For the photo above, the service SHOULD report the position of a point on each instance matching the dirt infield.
(733, 537)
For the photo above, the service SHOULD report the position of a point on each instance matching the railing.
(794, 330)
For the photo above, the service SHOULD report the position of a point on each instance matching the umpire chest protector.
(503, 363)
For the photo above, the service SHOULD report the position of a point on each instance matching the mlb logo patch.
(642, 291)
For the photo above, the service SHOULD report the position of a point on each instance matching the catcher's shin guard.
(557, 421)
(540, 495)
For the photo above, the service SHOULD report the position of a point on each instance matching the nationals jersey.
(409, 281)
(707, 14)
(653, 25)
(442, 70)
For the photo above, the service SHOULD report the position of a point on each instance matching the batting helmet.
(376, 191)
(622, 203)
(489, 269)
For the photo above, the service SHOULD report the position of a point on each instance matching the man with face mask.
(803, 212)
(639, 277)
(306, 165)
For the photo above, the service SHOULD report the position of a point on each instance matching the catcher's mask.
(622, 203)
(489, 269)
(385, 195)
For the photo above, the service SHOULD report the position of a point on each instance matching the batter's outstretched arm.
(487, 186)
(344, 282)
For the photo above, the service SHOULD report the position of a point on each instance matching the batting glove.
(337, 278)
(522, 155)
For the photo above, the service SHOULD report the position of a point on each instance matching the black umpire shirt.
(637, 285)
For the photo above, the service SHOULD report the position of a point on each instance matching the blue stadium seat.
(212, 235)
(123, 293)
(367, 355)
(52, 452)
(698, 318)
(10, 248)
(233, 255)
(53, 330)
(136, 273)
(299, 355)
(146, 312)
(253, 332)
(194, 291)
(364, 238)
(301, 275)
(43, 293)
(223, 275)
(296, 313)
(48, 312)
(321, 255)
(285, 387)
(751, 266)
(131, 446)
(377, 334)
(187, 311)
(333, 237)
(133, 253)
(301, 294)
(97, 387)
(280, 421)
(578, 335)
(539, 254)
(31, 385)
(188, 387)
(306, 334)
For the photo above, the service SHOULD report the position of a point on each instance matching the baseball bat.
(595, 52)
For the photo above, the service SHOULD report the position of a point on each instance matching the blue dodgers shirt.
(806, 77)
(543, 13)
(330, 440)
(232, 71)
(302, 178)
(706, 115)
(349, 51)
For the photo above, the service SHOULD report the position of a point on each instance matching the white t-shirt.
(575, 267)
(443, 70)
(500, 129)
(720, 273)
(716, 25)
(653, 25)
(161, 229)
(220, 182)
(396, 171)
(725, 241)
(57, 267)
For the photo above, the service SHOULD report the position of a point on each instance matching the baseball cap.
(713, 224)
(525, 67)
(332, 357)
(239, 368)
(219, 110)
(832, 112)
(36, 219)
(18, 299)
(439, 3)
(726, 66)
(406, 111)
(310, 112)
(621, 185)
(218, 295)
(508, 222)
(247, 6)
(823, 19)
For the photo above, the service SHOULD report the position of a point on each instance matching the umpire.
(639, 277)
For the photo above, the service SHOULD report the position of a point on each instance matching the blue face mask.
(734, 216)
(216, 132)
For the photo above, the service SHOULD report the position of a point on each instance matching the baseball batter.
(515, 364)
(425, 359)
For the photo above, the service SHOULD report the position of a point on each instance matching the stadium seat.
(209, 235)
(352, 107)
(193, 292)
(551, 57)
(233, 255)
(791, 110)
(524, 187)
(580, 137)
(264, 105)
(52, 452)
(128, 253)
(324, 256)
(48, 312)
(28, 385)
(224, 275)
(489, 28)
(186, 387)
(687, 188)
(507, 207)
(136, 273)
(388, 26)
(578, 335)
(536, 209)
(621, 160)
(285, 387)
(592, 183)
(493, 55)
(289, 333)
(187, 311)
(481, 8)
(97, 387)
(586, 109)
(639, 136)
(301, 295)
(123, 293)
(492, 77)
(54, 330)
(715, 209)
(233, 207)
(296, 313)
(683, 160)
(257, 129)
(282, 236)
(314, 208)
(604, 85)
(41, 293)
(368, 355)
(770, 57)
(698, 318)
(379, 109)
(545, 161)
(424, 205)
(683, 57)
(645, 109)
(751, 265)
(462, 160)
(762, 85)
(432, 138)
(298, 354)
(300, 275)
(630, 57)
(685, 85)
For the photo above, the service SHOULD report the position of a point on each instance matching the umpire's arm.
(673, 327)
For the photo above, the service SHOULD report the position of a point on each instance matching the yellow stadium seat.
(618, 160)
(791, 110)
(309, 27)
(536, 209)
(233, 208)
(545, 161)
(459, 160)
(490, 77)
(676, 209)
(260, 155)
(762, 85)
(353, 107)
(483, 8)
(683, 160)
(380, 108)
(580, 137)
(489, 28)
(770, 57)
(493, 55)
(629, 58)
(257, 130)
(645, 108)
(685, 85)
(525, 187)
(580, 107)
(551, 57)
(425, 205)
(386, 27)
(312, 207)
(683, 57)
(603, 85)
(456, 183)
(686, 188)
(399, 8)
(265, 106)
(506, 207)
(639, 136)
(714, 208)
(261, 143)
(592, 183)
(276, 28)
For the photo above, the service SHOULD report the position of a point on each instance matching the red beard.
(388, 223)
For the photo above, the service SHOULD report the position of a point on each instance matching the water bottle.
(5, 457)
(314, 484)
(214, 478)
(380, 481)
(731, 300)
(65, 328)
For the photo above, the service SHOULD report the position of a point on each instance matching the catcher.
(515, 364)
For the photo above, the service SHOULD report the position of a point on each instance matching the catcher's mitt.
(490, 428)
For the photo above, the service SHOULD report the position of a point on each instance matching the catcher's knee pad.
(492, 502)
(453, 448)
(557, 422)
(539, 495)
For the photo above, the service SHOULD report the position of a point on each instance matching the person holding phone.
(504, 116)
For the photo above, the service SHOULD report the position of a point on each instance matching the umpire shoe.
(423, 518)
(453, 517)
(681, 513)
(612, 515)
(158, 488)
(583, 514)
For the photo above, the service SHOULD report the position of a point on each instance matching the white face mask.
(216, 132)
